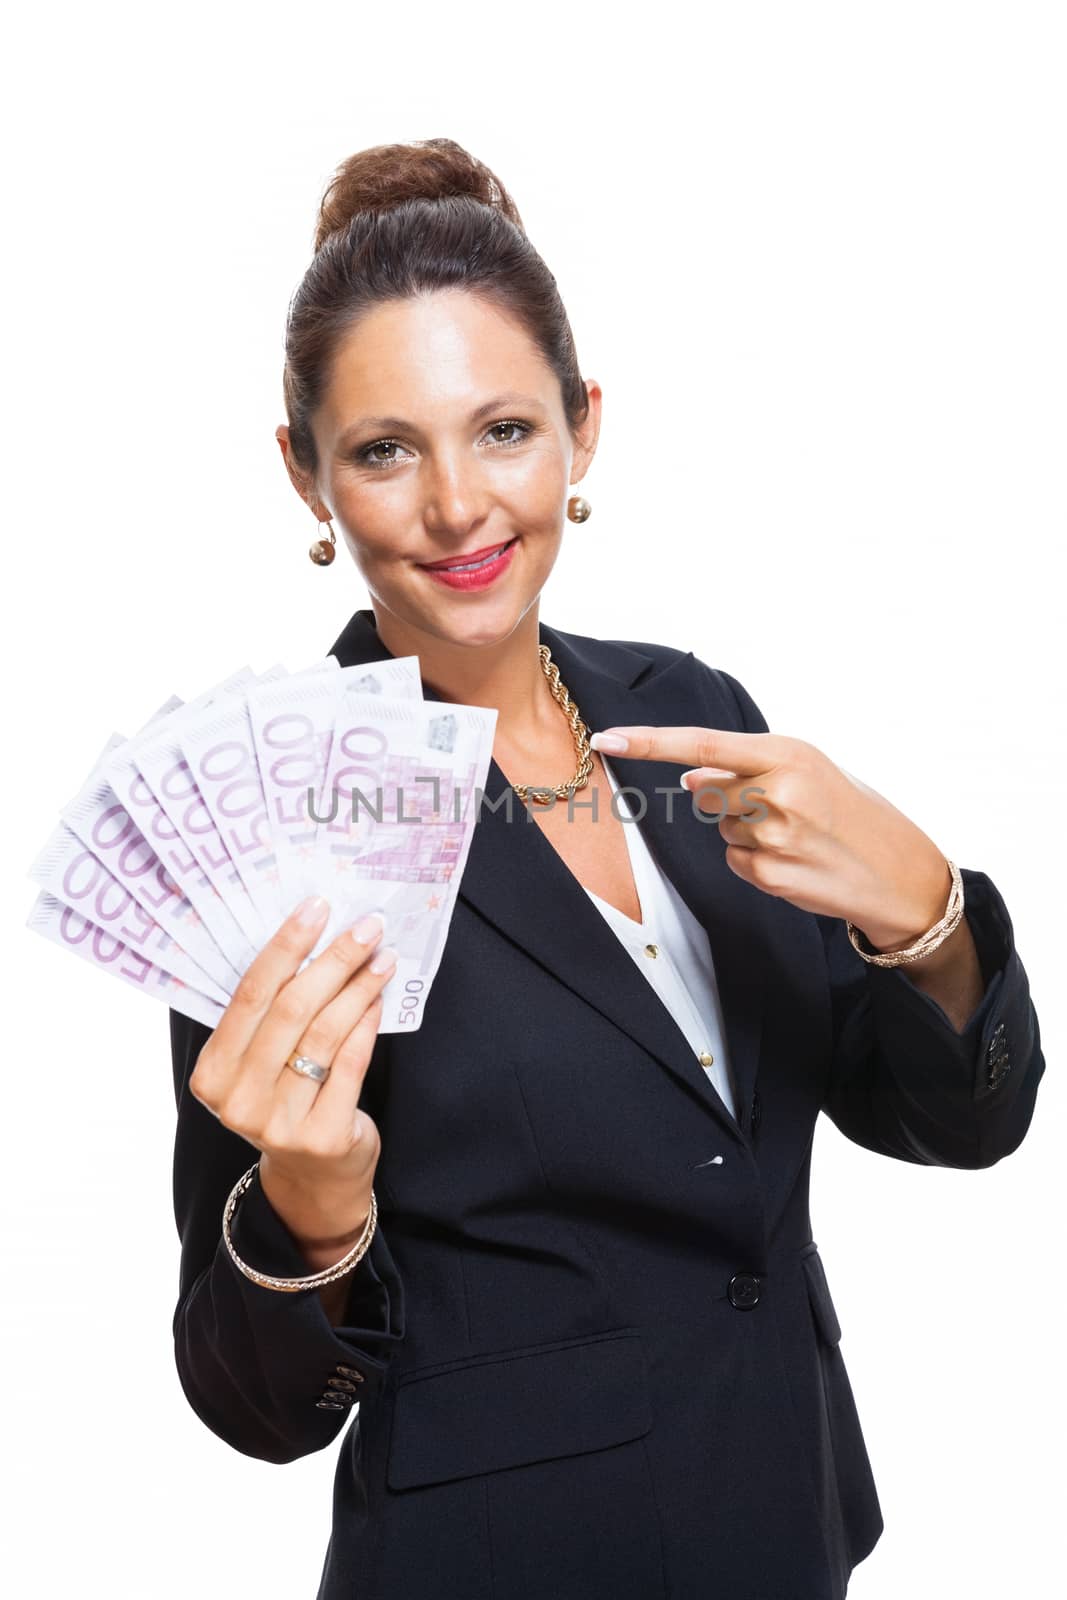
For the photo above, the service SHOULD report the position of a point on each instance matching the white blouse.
(672, 950)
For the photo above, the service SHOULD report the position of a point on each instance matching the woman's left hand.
(814, 835)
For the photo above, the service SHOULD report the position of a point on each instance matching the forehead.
(429, 355)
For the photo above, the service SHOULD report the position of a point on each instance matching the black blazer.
(593, 1346)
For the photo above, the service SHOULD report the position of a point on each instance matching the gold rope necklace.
(584, 769)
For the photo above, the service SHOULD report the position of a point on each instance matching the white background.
(815, 255)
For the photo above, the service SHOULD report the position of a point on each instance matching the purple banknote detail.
(396, 829)
(292, 725)
(161, 760)
(220, 749)
(104, 826)
(185, 847)
(80, 880)
(184, 857)
(72, 931)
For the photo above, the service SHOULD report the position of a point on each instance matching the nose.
(456, 498)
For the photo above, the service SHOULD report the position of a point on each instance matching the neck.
(506, 675)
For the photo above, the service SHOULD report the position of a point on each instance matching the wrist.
(885, 941)
(324, 1224)
(889, 937)
(320, 1257)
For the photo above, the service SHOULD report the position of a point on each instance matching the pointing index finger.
(747, 754)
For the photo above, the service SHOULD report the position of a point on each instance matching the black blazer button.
(350, 1372)
(743, 1290)
(329, 1405)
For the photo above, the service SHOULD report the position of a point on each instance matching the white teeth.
(472, 566)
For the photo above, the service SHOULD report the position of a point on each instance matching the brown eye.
(368, 457)
(509, 425)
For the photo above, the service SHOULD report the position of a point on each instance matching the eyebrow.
(499, 402)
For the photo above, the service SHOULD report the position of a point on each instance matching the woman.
(579, 1328)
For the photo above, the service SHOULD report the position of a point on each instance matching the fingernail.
(612, 743)
(311, 909)
(707, 775)
(369, 927)
(384, 960)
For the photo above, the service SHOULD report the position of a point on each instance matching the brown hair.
(398, 220)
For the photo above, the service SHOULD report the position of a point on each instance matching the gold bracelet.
(929, 940)
(315, 1280)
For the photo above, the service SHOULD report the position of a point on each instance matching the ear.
(300, 480)
(588, 433)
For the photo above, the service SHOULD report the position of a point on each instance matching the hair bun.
(385, 175)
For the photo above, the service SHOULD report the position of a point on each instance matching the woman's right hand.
(318, 1150)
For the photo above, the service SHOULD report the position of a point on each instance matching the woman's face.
(441, 434)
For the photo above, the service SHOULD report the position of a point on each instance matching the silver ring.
(308, 1068)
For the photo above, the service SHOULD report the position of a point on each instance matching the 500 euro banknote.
(109, 897)
(72, 931)
(81, 881)
(345, 783)
(100, 820)
(292, 722)
(215, 805)
(194, 857)
(399, 810)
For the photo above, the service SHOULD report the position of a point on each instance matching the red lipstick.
(476, 569)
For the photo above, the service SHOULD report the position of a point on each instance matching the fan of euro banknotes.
(189, 843)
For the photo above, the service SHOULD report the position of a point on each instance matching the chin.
(457, 621)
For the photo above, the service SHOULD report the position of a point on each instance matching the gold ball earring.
(578, 509)
(323, 550)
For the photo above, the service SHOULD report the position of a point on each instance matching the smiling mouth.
(469, 566)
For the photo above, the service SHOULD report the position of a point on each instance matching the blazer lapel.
(517, 880)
